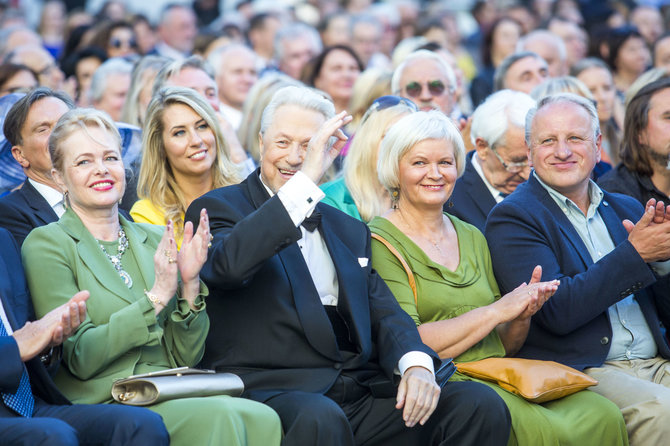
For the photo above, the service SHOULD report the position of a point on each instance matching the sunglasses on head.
(435, 88)
(388, 101)
(118, 43)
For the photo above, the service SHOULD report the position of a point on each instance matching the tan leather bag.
(535, 380)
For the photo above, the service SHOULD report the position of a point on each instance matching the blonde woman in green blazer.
(140, 317)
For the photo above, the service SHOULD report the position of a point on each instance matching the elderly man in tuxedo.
(499, 162)
(300, 315)
(609, 314)
(32, 410)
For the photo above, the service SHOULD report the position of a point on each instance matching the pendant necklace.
(116, 259)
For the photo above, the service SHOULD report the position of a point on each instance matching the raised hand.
(193, 255)
(52, 329)
(165, 270)
(320, 153)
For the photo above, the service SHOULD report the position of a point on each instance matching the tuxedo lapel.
(561, 220)
(351, 283)
(93, 257)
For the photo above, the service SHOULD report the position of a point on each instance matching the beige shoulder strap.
(410, 274)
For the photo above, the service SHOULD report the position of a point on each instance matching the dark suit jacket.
(17, 306)
(267, 322)
(23, 210)
(573, 327)
(471, 200)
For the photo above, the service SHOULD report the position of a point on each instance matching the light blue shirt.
(631, 336)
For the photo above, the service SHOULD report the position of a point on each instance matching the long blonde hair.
(360, 164)
(156, 181)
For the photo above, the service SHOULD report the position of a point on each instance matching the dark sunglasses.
(435, 88)
(384, 102)
(118, 43)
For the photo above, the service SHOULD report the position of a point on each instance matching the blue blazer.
(573, 327)
(23, 210)
(267, 322)
(17, 305)
(471, 200)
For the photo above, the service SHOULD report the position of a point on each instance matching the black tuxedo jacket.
(471, 200)
(23, 210)
(18, 308)
(267, 322)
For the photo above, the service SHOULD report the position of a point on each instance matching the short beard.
(659, 158)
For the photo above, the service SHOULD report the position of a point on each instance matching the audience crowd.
(341, 202)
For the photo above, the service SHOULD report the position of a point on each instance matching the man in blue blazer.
(499, 162)
(44, 416)
(608, 314)
(299, 314)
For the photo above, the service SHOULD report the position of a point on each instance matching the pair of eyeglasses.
(510, 167)
(388, 101)
(118, 43)
(435, 88)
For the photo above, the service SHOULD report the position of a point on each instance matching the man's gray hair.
(503, 68)
(299, 96)
(492, 119)
(217, 57)
(175, 67)
(115, 65)
(419, 56)
(296, 31)
(545, 36)
(570, 98)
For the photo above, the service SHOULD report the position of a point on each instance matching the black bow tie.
(312, 222)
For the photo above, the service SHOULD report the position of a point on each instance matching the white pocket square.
(363, 261)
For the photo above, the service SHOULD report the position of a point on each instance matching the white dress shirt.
(497, 195)
(52, 196)
(299, 195)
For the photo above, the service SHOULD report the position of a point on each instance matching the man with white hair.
(236, 68)
(499, 162)
(176, 31)
(549, 47)
(298, 312)
(425, 78)
(109, 86)
(609, 315)
(295, 45)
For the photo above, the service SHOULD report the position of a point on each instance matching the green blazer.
(121, 335)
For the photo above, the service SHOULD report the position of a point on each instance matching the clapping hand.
(650, 236)
(193, 255)
(165, 270)
(526, 299)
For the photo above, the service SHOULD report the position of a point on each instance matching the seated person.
(129, 330)
(607, 315)
(499, 162)
(458, 308)
(357, 191)
(32, 410)
(185, 156)
(301, 316)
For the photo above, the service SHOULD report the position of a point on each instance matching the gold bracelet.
(153, 298)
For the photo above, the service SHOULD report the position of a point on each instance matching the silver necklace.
(116, 259)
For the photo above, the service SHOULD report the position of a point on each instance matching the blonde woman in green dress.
(141, 318)
(459, 311)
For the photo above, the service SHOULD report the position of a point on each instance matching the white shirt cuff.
(415, 358)
(299, 195)
(661, 268)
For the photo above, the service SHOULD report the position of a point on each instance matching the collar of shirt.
(595, 198)
(495, 193)
(53, 196)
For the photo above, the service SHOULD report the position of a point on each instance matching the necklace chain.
(116, 259)
(407, 225)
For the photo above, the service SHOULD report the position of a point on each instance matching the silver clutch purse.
(182, 382)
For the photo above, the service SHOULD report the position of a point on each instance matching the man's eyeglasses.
(388, 101)
(510, 167)
(435, 88)
(118, 43)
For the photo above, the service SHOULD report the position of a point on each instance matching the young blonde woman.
(184, 157)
